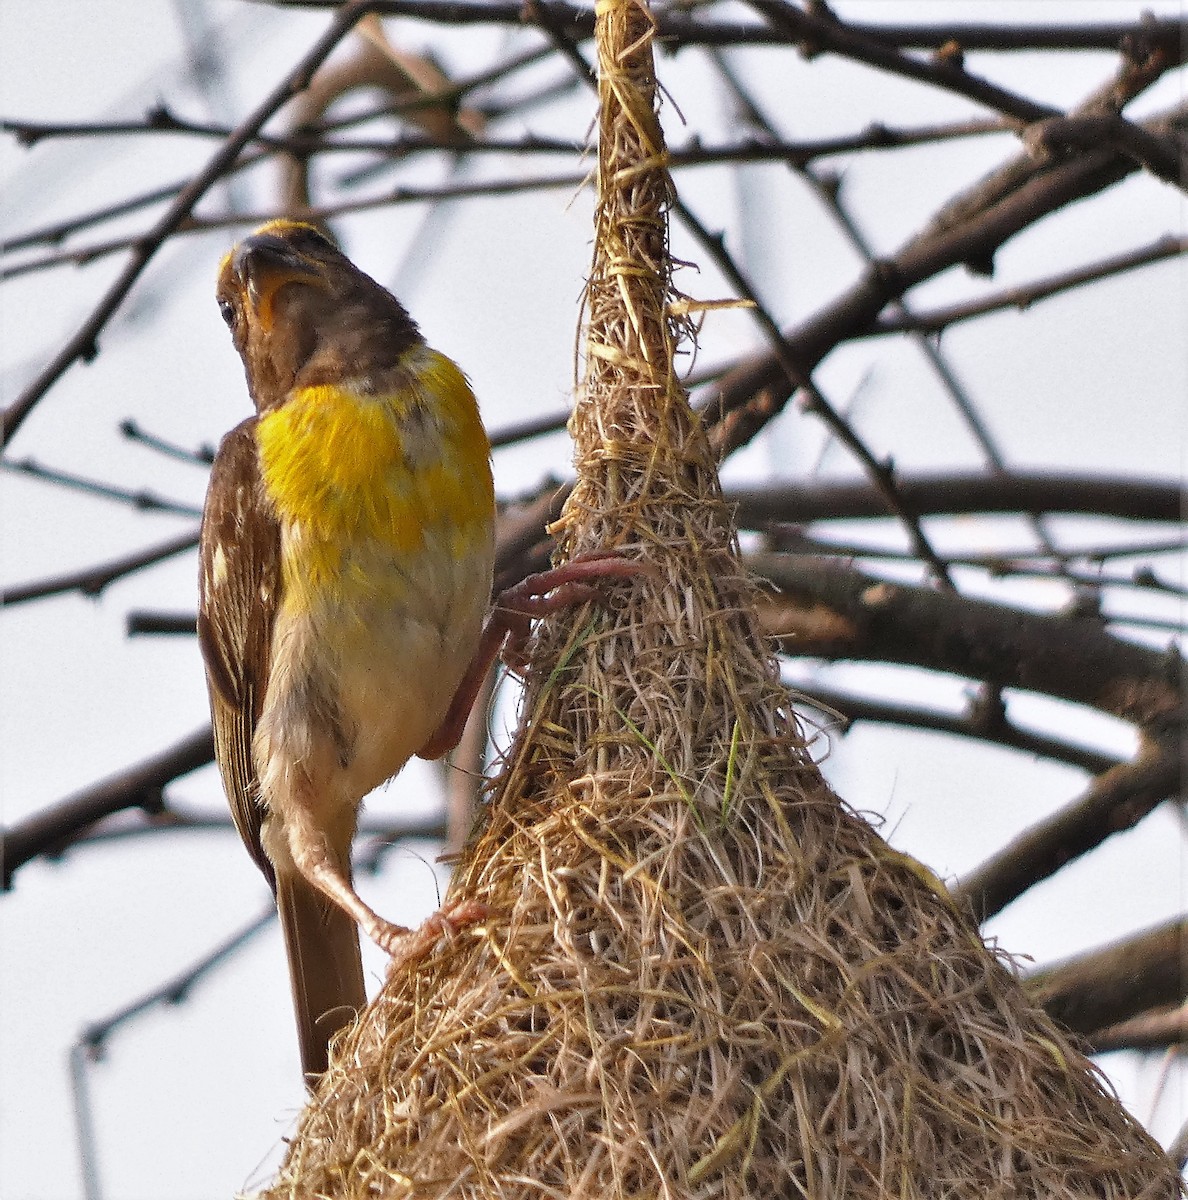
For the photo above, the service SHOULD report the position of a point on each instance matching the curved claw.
(407, 946)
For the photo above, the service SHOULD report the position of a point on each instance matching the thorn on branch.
(1084, 605)
(987, 711)
(152, 801)
(981, 265)
(93, 1040)
(951, 54)
(158, 116)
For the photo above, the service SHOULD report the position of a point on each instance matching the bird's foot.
(510, 624)
(573, 583)
(407, 946)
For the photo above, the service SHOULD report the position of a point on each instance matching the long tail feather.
(325, 967)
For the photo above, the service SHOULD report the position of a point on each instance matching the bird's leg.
(314, 857)
(405, 946)
(511, 620)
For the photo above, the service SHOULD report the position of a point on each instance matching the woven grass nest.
(701, 975)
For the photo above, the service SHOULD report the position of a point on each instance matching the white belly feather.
(369, 677)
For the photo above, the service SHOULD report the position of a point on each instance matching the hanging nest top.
(700, 974)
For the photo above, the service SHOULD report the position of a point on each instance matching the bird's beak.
(263, 264)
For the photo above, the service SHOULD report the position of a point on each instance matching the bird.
(345, 618)
(346, 559)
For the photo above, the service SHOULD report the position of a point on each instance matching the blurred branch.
(462, 189)
(202, 457)
(677, 28)
(985, 720)
(83, 346)
(1045, 492)
(1163, 154)
(1116, 982)
(145, 501)
(60, 230)
(1115, 801)
(1150, 1031)
(820, 32)
(828, 191)
(1178, 1150)
(136, 823)
(1023, 296)
(881, 474)
(313, 140)
(90, 581)
(968, 230)
(1029, 564)
(463, 771)
(142, 622)
(523, 431)
(1067, 657)
(51, 831)
(176, 989)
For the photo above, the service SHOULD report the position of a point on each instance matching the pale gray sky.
(192, 1101)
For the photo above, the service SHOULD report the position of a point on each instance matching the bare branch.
(201, 457)
(1067, 657)
(984, 721)
(176, 989)
(49, 832)
(83, 346)
(1028, 564)
(1151, 1031)
(1162, 154)
(969, 230)
(90, 581)
(677, 28)
(140, 622)
(1116, 800)
(881, 474)
(457, 190)
(1116, 982)
(829, 192)
(694, 154)
(821, 32)
(142, 500)
(1025, 295)
(958, 493)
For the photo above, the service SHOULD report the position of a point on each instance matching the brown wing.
(238, 590)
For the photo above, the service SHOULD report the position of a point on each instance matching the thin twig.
(143, 501)
(826, 33)
(1116, 800)
(91, 581)
(969, 229)
(83, 346)
(50, 831)
(1023, 296)
(676, 28)
(981, 723)
(203, 456)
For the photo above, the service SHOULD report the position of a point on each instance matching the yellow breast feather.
(349, 468)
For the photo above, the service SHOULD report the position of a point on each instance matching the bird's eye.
(227, 312)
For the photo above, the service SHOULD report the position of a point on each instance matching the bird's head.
(301, 314)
